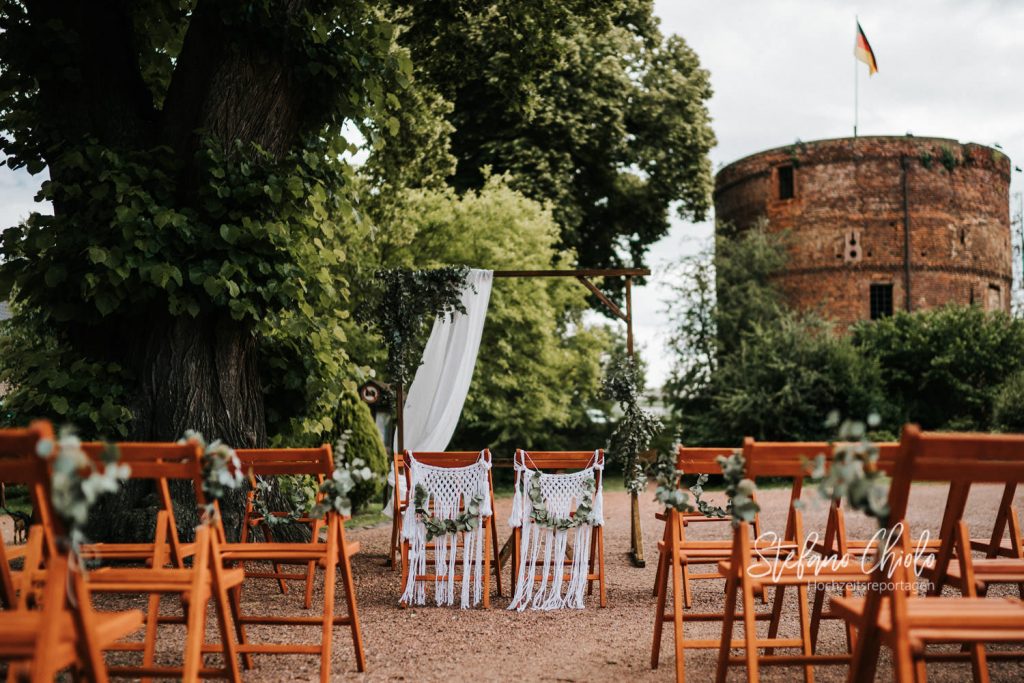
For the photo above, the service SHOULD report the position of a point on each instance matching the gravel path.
(612, 644)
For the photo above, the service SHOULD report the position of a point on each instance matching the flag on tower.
(862, 51)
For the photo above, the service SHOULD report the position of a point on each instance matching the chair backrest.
(20, 463)
(562, 460)
(960, 459)
(700, 460)
(444, 459)
(271, 462)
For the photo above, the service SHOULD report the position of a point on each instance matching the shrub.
(780, 383)
(364, 442)
(942, 368)
(1008, 411)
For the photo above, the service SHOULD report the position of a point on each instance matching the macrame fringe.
(561, 492)
(449, 491)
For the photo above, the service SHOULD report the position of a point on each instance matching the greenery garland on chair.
(738, 488)
(467, 520)
(852, 472)
(583, 515)
(636, 428)
(77, 482)
(221, 470)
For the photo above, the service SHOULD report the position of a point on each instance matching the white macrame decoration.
(457, 500)
(548, 507)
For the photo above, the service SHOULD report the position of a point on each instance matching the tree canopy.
(587, 106)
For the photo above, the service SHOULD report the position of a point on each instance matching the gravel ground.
(612, 644)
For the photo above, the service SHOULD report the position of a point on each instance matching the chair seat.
(128, 551)
(802, 572)
(145, 580)
(19, 629)
(951, 619)
(998, 570)
(281, 553)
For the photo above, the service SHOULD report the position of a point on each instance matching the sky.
(782, 70)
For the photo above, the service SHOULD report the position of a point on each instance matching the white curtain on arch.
(439, 389)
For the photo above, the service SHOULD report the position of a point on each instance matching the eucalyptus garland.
(583, 515)
(636, 428)
(335, 491)
(221, 469)
(298, 503)
(740, 491)
(467, 520)
(400, 301)
(853, 471)
(77, 481)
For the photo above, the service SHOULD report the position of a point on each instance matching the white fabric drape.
(439, 389)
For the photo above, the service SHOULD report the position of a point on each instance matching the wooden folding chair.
(140, 456)
(679, 552)
(332, 553)
(890, 613)
(262, 462)
(693, 461)
(491, 549)
(560, 461)
(165, 572)
(398, 505)
(65, 632)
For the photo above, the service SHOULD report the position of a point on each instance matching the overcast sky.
(782, 70)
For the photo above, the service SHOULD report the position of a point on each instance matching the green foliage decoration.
(77, 482)
(467, 520)
(400, 301)
(337, 492)
(221, 469)
(582, 516)
(852, 472)
(636, 428)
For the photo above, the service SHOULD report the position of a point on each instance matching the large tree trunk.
(193, 373)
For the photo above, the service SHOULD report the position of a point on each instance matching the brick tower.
(880, 224)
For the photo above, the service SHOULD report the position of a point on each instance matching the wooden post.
(400, 418)
(636, 532)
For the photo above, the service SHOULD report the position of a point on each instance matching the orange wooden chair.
(165, 572)
(141, 456)
(890, 613)
(333, 553)
(558, 461)
(263, 463)
(693, 461)
(788, 463)
(491, 548)
(66, 632)
(399, 501)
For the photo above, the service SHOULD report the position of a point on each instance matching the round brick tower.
(880, 224)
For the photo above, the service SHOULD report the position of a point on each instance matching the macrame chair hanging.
(547, 509)
(451, 497)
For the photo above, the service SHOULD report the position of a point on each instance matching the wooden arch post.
(636, 551)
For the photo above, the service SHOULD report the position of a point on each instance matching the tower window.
(786, 186)
(881, 301)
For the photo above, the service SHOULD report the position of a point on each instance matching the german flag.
(862, 51)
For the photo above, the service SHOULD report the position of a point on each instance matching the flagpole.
(856, 103)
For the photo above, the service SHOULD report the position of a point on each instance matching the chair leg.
(816, 611)
(728, 617)
(773, 625)
(235, 603)
(195, 630)
(487, 564)
(396, 524)
(678, 626)
(805, 633)
(687, 585)
(661, 591)
(592, 566)
(223, 609)
(750, 630)
(350, 601)
(496, 549)
(149, 643)
(600, 563)
(327, 616)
